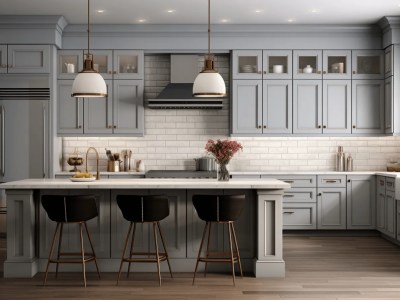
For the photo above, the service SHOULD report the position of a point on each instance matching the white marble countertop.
(105, 173)
(146, 183)
(310, 173)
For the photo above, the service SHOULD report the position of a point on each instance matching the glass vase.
(222, 172)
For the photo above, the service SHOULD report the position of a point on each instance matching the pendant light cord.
(209, 28)
(88, 28)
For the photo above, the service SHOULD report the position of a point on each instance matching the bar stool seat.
(144, 209)
(66, 210)
(215, 209)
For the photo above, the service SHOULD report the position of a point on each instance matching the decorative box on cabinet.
(361, 204)
(367, 106)
(367, 64)
(24, 59)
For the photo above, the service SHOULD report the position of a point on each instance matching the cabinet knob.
(109, 127)
(259, 126)
(319, 126)
(110, 72)
(80, 126)
(264, 126)
(115, 126)
(324, 72)
(114, 72)
(324, 126)
(348, 180)
(354, 126)
(265, 72)
(319, 194)
(354, 72)
(318, 72)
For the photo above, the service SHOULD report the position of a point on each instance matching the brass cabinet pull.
(330, 181)
(288, 181)
(288, 196)
(288, 212)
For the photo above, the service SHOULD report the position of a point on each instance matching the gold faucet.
(97, 162)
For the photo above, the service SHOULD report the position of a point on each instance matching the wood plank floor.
(317, 267)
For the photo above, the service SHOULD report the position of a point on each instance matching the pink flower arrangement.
(223, 150)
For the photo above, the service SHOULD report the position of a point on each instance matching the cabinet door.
(307, 106)
(98, 113)
(299, 216)
(246, 106)
(367, 106)
(70, 62)
(307, 64)
(277, 106)
(28, 59)
(277, 64)
(336, 64)
(389, 105)
(128, 64)
(361, 202)
(331, 203)
(390, 214)
(367, 64)
(128, 110)
(389, 52)
(3, 59)
(103, 63)
(69, 110)
(336, 106)
(380, 211)
(247, 64)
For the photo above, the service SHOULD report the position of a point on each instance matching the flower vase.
(222, 172)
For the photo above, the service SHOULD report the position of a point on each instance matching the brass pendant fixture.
(89, 83)
(209, 83)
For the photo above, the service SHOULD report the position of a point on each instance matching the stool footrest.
(88, 257)
(162, 256)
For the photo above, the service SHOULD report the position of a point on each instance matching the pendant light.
(209, 83)
(89, 83)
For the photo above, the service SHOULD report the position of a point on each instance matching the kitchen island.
(259, 229)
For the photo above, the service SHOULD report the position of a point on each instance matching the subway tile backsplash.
(174, 137)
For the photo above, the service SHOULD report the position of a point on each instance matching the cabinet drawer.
(381, 185)
(299, 216)
(295, 181)
(300, 195)
(331, 180)
(390, 183)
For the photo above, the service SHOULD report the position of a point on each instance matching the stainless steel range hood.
(178, 93)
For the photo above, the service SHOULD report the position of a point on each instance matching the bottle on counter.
(340, 160)
(349, 163)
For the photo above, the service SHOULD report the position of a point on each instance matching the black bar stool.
(220, 210)
(144, 209)
(67, 210)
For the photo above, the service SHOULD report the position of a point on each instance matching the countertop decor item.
(340, 160)
(75, 160)
(209, 83)
(223, 151)
(89, 83)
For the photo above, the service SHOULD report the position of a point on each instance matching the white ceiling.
(222, 11)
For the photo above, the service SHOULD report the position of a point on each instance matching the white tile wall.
(174, 137)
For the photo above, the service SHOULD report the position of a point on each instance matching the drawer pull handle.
(330, 181)
(288, 181)
(288, 212)
(288, 196)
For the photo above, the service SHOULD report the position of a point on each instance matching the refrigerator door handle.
(44, 141)
(3, 167)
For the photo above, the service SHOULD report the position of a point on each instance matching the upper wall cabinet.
(368, 64)
(336, 64)
(277, 64)
(70, 62)
(307, 64)
(24, 59)
(389, 52)
(247, 64)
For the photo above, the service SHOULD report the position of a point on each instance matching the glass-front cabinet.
(103, 62)
(70, 62)
(128, 64)
(367, 64)
(247, 64)
(277, 64)
(336, 64)
(307, 64)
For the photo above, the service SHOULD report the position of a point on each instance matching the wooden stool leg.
(237, 250)
(208, 248)
(59, 247)
(82, 253)
(123, 252)
(157, 254)
(231, 252)
(51, 253)
(91, 246)
(165, 248)
(198, 256)
(131, 249)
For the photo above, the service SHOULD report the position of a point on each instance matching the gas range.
(180, 174)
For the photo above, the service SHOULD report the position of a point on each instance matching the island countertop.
(145, 183)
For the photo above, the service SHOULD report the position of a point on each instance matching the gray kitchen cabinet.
(103, 63)
(386, 206)
(367, 106)
(331, 208)
(390, 214)
(299, 216)
(307, 59)
(367, 64)
(389, 59)
(380, 203)
(336, 117)
(128, 64)
(307, 106)
(70, 63)
(277, 106)
(361, 202)
(246, 106)
(389, 104)
(247, 64)
(25, 59)
(99, 227)
(277, 64)
(69, 110)
(336, 64)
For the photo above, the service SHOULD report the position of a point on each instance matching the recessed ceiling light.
(141, 20)
(100, 11)
(258, 11)
(171, 10)
(224, 20)
(315, 10)
(290, 20)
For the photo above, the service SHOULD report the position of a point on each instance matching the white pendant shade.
(209, 84)
(89, 85)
